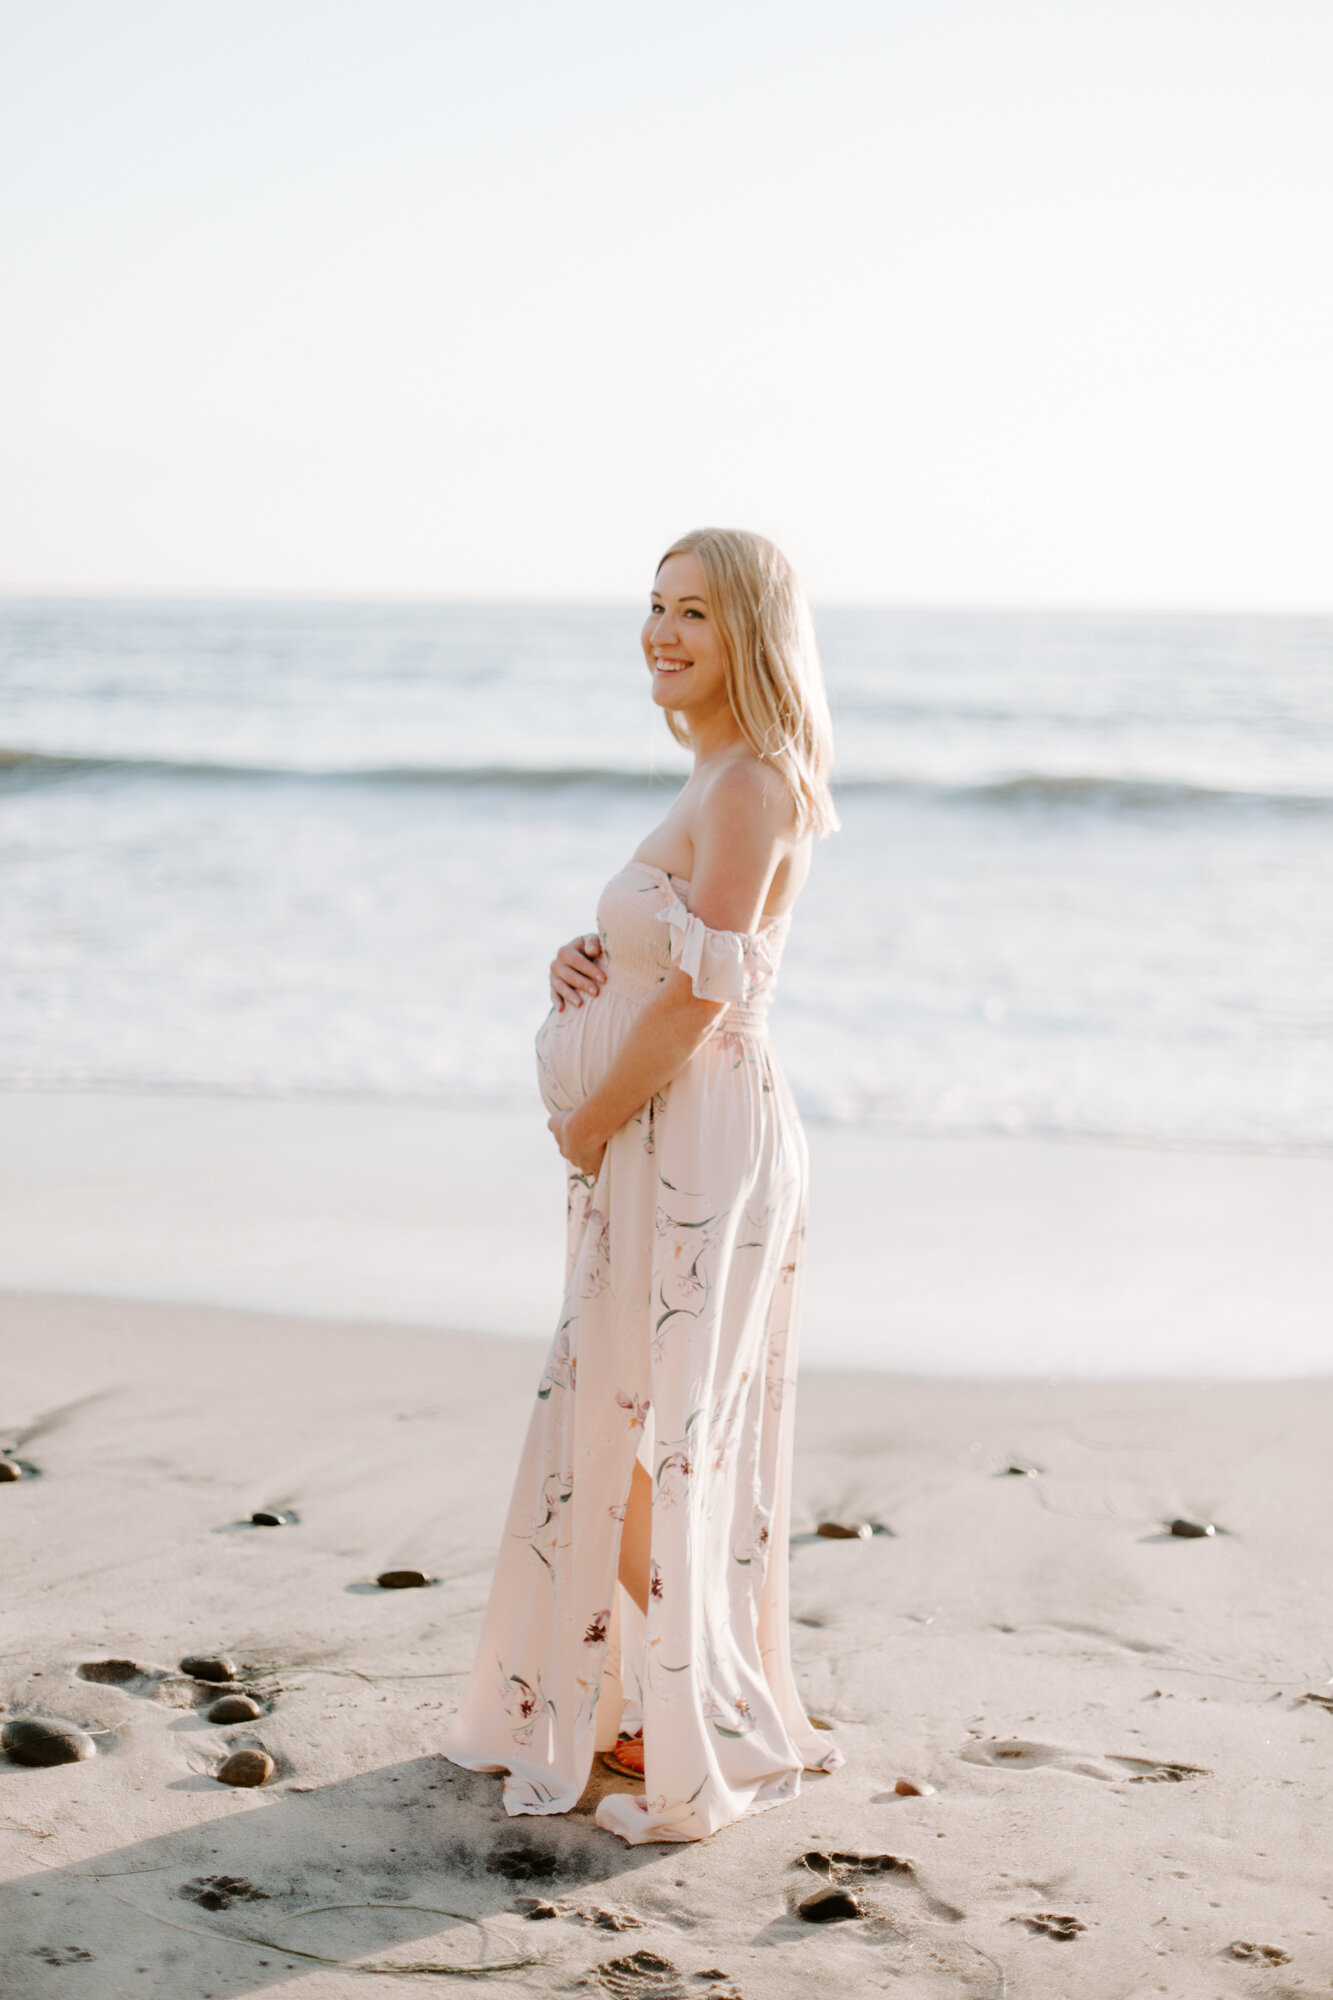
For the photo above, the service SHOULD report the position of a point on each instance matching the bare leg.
(636, 1538)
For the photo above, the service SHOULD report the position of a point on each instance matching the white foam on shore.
(936, 1256)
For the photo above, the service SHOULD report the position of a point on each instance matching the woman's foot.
(626, 1755)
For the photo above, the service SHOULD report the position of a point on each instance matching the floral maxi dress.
(676, 1346)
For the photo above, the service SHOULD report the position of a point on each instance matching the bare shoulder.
(744, 796)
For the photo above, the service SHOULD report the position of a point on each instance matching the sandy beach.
(1127, 1734)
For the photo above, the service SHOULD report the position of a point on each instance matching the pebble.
(235, 1708)
(844, 1531)
(246, 1767)
(34, 1739)
(272, 1517)
(10, 1469)
(403, 1579)
(1192, 1531)
(208, 1667)
(829, 1906)
(907, 1788)
(110, 1671)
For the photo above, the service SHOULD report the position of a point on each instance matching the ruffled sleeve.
(722, 965)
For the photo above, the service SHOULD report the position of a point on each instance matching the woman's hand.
(575, 971)
(583, 1148)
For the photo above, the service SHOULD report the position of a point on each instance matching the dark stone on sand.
(111, 1672)
(235, 1708)
(246, 1767)
(35, 1739)
(403, 1579)
(214, 1667)
(907, 1788)
(844, 1531)
(10, 1470)
(1192, 1531)
(829, 1906)
(270, 1517)
(1020, 1468)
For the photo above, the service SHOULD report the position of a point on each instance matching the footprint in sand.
(1144, 1771)
(846, 1871)
(1045, 1923)
(642, 1976)
(219, 1892)
(1015, 1754)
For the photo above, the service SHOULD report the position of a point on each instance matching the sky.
(964, 302)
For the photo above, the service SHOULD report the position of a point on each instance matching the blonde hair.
(775, 682)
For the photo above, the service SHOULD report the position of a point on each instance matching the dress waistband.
(737, 1017)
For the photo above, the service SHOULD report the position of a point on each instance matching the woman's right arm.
(576, 971)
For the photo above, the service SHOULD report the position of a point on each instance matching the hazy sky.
(964, 301)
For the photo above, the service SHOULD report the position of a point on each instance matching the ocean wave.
(1125, 792)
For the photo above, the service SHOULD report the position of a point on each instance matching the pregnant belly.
(577, 1047)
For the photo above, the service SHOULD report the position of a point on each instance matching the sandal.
(625, 1756)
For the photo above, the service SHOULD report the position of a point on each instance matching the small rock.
(844, 1531)
(1020, 1468)
(1192, 1531)
(246, 1767)
(112, 1672)
(829, 1906)
(907, 1788)
(34, 1739)
(209, 1667)
(536, 1908)
(272, 1517)
(10, 1469)
(235, 1708)
(403, 1579)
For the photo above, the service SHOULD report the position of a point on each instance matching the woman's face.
(682, 644)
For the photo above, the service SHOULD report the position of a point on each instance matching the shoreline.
(989, 1257)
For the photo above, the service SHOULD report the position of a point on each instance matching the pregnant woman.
(659, 1451)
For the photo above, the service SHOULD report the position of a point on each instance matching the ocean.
(1083, 887)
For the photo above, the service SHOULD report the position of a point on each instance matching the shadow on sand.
(215, 1910)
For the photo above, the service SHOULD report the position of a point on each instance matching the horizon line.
(245, 594)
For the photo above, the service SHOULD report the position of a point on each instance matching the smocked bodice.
(647, 930)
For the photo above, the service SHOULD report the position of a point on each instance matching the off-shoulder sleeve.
(722, 965)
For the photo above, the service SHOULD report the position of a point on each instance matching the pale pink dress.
(676, 1344)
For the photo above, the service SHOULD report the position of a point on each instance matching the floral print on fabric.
(675, 1345)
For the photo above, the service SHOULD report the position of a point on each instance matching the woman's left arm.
(743, 823)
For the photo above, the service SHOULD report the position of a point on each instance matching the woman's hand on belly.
(581, 1145)
(576, 973)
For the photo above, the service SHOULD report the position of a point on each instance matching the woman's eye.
(694, 614)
